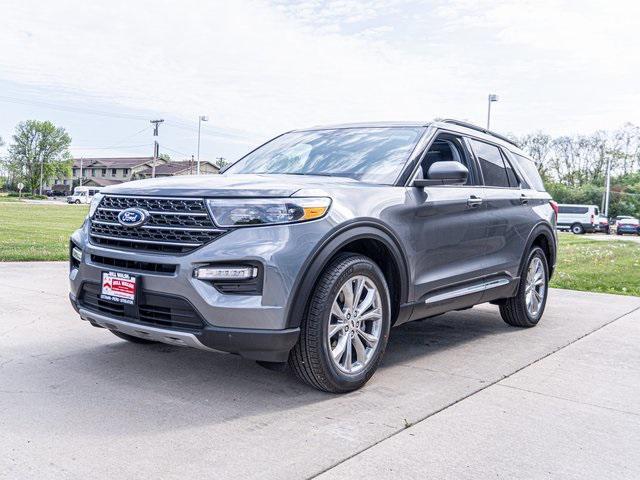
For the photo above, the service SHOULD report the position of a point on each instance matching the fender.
(545, 229)
(328, 247)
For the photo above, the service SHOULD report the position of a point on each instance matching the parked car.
(603, 225)
(628, 225)
(311, 247)
(83, 194)
(578, 219)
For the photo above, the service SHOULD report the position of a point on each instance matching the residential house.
(102, 172)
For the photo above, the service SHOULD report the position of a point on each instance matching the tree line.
(574, 168)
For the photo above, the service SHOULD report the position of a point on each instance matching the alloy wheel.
(355, 324)
(536, 287)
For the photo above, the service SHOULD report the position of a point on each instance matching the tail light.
(554, 205)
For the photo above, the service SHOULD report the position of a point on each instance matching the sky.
(256, 68)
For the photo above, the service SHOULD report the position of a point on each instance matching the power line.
(89, 111)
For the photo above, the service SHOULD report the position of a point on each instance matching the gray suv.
(311, 247)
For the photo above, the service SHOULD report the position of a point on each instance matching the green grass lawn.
(37, 232)
(598, 266)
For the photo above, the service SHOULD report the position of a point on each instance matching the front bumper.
(268, 346)
(255, 326)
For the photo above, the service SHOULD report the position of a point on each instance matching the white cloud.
(261, 67)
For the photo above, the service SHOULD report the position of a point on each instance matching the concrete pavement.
(459, 395)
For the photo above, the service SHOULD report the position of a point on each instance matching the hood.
(240, 185)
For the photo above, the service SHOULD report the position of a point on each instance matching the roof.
(111, 162)
(101, 182)
(174, 167)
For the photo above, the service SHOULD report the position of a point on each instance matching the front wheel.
(346, 326)
(527, 307)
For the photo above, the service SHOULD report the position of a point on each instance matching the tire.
(577, 229)
(515, 311)
(77, 202)
(311, 358)
(131, 338)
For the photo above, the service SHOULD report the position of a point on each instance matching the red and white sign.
(118, 287)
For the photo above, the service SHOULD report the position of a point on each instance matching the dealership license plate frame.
(126, 292)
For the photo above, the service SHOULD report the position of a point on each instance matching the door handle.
(523, 199)
(474, 201)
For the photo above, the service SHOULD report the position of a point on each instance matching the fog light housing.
(76, 253)
(225, 272)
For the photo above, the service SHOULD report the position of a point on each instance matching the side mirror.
(444, 173)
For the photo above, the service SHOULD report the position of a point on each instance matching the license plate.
(118, 287)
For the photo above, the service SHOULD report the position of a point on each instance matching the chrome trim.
(150, 197)
(158, 227)
(172, 337)
(155, 212)
(467, 290)
(155, 242)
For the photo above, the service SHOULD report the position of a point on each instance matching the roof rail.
(460, 123)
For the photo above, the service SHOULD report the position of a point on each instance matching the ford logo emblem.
(133, 217)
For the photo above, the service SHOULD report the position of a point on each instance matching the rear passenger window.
(496, 172)
(530, 171)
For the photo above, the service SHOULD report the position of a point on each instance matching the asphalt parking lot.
(461, 395)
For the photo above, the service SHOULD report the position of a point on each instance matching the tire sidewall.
(577, 229)
(536, 252)
(340, 379)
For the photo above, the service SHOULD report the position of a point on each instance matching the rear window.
(572, 209)
(530, 172)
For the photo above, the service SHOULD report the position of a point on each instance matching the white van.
(578, 218)
(83, 194)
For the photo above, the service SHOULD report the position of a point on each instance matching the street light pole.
(492, 98)
(201, 118)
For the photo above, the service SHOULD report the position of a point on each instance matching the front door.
(447, 233)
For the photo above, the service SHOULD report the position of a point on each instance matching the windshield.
(374, 155)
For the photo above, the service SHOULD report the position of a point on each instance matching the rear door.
(509, 215)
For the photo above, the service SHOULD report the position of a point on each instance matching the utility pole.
(492, 98)
(81, 159)
(156, 146)
(201, 118)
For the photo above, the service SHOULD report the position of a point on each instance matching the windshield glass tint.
(374, 155)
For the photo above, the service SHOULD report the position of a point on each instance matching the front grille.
(175, 225)
(153, 309)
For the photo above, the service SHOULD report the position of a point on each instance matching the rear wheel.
(346, 326)
(527, 307)
(577, 229)
(131, 338)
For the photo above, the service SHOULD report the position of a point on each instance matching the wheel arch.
(359, 237)
(541, 235)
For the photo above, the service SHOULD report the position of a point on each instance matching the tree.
(221, 162)
(39, 153)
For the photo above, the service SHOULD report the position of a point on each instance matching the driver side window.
(446, 148)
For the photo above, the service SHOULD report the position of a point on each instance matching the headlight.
(238, 212)
(94, 204)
